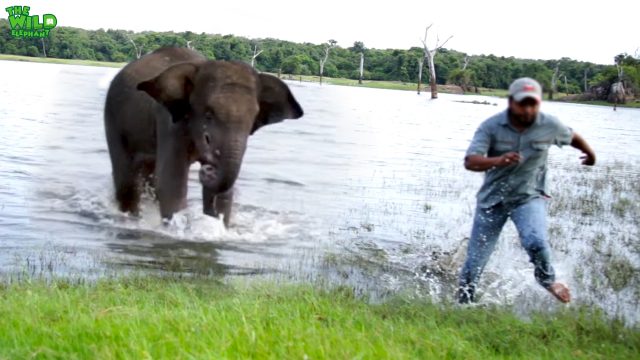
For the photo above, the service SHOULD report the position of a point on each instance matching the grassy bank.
(169, 318)
(61, 61)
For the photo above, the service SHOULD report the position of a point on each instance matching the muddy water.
(367, 189)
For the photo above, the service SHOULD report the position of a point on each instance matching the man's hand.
(588, 159)
(508, 159)
(482, 163)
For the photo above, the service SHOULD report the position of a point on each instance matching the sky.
(543, 29)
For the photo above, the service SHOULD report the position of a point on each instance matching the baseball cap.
(525, 87)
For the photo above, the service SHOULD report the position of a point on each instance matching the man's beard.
(523, 120)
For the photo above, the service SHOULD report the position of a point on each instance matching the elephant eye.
(208, 115)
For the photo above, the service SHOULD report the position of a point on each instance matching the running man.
(512, 149)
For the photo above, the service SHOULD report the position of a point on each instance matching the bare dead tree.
(135, 47)
(420, 66)
(429, 56)
(554, 81)
(620, 71)
(361, 68)
(586, 86)
(44, 49)
(256, 53)
(618, 88)
(189, 46)
(328, 46)
(465, 63)
(566, 87)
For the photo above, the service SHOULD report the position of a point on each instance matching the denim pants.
(530, 220)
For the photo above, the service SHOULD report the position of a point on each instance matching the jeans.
(531, 222)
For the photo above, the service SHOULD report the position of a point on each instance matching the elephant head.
(219, 104)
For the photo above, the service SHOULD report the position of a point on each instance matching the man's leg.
(487, 225)
(530, 219)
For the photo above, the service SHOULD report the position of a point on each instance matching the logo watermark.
(24, 25)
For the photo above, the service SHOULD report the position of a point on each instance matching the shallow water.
(367, 189)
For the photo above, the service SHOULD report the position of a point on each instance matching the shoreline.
(374, 84)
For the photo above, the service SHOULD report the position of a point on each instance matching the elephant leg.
(125, 177)
(146, 166)
(171, 166)
(223, 203)
(126, 182)
(208, 197)
(217, 204)
(171, 189)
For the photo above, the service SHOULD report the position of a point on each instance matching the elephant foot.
(217, 205)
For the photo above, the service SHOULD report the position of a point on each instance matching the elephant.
(173, 107)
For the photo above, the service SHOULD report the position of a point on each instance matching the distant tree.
(137, 49)
(32, 51)
(328, 46)
(44, 49)
(430, 56)
(554, 81)
(256, 53)
(359, 48)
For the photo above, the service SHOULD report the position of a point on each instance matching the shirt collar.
(504, 118)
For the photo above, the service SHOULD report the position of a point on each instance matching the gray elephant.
(172, 108)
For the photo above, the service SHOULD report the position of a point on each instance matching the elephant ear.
(276, 102)
(172, 88)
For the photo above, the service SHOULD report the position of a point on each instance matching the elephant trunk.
(220, 175)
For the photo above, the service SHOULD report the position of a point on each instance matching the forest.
(279, 56)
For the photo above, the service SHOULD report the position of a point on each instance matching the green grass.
(157, 318)
(61, 61)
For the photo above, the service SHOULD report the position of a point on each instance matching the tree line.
(279, 56)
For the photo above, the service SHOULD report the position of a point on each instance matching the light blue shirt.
(520, 182)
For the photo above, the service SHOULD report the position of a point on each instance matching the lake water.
(367, 190)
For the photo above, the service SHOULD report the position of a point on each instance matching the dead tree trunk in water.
(430, 56)
(361, 68)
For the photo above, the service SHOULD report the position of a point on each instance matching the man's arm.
(581, 144)
(484, 163)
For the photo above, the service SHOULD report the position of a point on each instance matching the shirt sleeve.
(563, 134)
(480, 142)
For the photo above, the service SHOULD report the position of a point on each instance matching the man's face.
(525, 111)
